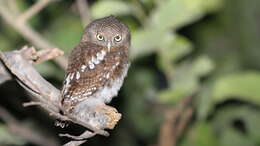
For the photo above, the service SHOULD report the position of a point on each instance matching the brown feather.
(91, 80)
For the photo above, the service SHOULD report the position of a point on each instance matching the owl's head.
(108, 32)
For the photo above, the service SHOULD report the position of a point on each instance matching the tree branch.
(175, 121)
(18, 65)
(28, 33)
(84, 11)
(33, 10)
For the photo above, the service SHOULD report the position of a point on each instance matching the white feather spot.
(117, 63)
(83, 67)
(95, 60)
(65, 90)
(71, 76)
(114, 66)
(101, 55)
(103, 52)
(87, 93)
(68, 79)
(77, 75)
(108, 75)
(91, 65)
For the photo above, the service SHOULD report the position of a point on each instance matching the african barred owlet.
(97, 65)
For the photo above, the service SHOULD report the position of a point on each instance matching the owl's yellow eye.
(118, 38)
(100, 37)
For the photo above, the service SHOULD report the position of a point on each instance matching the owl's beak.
(109, 45)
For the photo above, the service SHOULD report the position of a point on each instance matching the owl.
(98, 65)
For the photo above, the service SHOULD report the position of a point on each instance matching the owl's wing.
(89, 69)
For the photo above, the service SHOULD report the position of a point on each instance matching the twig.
(31, 104)
(28, 33)
(40, 56)
(176, 120)
(19, 129)
(185, 118)
(85, 134)
(74, 143)
(33, 10)
(84, 12)
(166, 136)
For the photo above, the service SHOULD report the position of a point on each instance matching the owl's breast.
(111, 88)
(96, 74)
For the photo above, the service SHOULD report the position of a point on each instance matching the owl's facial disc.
(108, 32)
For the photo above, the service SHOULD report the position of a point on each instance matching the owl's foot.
(102, 117)
(61, 124)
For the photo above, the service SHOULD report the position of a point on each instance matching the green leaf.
(112, 7)
(202, 66)
(172, 48)
(185, 79)
(232, 138)
(247, 133)
(244, 86)
(149, 40)
(201, 134)
(177, 13)
(204, 101)
(145, 42)
(171, 95)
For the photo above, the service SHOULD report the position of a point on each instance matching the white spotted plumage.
(95, 60)
(91, 65)
(96, 69)
(106, 93)
(83, 67)
(77, 75)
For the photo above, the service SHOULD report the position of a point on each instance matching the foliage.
(206, 49)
